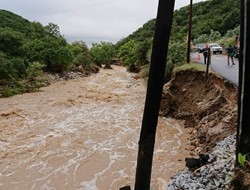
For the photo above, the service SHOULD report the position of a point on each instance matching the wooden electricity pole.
(189, 31)
(243, 132)
(154, 93)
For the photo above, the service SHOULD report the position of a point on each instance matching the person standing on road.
(205, 54)
(230, 54)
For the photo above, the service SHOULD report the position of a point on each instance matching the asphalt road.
(219, 65)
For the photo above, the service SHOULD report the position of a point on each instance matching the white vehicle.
(215, 48)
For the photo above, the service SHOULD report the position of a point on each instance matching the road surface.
(219, 65)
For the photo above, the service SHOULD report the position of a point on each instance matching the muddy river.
(83, 134)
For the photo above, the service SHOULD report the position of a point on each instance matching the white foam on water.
(58, 136)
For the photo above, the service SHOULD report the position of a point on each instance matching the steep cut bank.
(209, 108)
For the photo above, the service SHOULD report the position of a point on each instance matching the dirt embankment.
(209, 108)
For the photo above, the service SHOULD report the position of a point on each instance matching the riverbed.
(82, 134)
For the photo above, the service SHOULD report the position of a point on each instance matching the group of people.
(230, 54)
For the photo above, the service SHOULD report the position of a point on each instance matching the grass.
(190, 66)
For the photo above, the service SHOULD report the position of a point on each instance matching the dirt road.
(82, 134)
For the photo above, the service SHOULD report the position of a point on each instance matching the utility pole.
(189, 30)
(243, 132)
(240, 75)
(154, 92)
(208, 63)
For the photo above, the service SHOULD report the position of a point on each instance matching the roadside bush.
(233, 33)
(176, 57)
(213, 36)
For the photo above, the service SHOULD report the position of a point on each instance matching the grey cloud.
(89, 20)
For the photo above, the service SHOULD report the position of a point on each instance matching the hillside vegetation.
(215, 15)
(208, 15)
(15, 22)
(212, 21)
(28, 49)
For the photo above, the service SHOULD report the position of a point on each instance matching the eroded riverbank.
(83, 134)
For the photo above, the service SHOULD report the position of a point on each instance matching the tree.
(51, 51)
(53, 30)
(6, 71)
(81, 53)
(176, 57)
(14, 22)
(127, 53)
(141, 50)
(103, 52)
(11, 42)
(37, 31)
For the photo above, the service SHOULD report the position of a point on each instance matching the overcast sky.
(89, 20)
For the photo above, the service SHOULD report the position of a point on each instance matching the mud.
(82, 134)
(208, 106)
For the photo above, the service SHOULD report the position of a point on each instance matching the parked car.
(200, 48)
(215, 48)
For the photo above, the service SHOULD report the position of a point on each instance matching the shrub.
(35, 69)
(103, 52)
(127, 53)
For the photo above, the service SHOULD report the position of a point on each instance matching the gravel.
(216, 175)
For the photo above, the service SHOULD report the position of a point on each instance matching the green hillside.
(212, 21)
(216, 15)
(15, 22)
(27, 49)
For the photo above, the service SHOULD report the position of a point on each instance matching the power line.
(79, 8)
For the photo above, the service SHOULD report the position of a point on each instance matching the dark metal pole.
(154, 93)
(208, 62)
(189, 31)
(240, 72)
(243, 136)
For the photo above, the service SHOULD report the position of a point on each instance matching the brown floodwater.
(82, 134)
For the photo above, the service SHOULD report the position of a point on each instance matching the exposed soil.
(241, 180)
(209, 108)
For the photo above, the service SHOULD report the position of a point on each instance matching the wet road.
(219, 65)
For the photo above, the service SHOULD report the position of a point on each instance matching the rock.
(215, 175)
(192, 148)
(107, 66)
